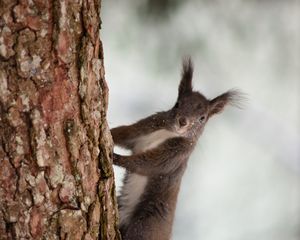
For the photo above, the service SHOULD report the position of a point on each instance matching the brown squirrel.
(161, 145)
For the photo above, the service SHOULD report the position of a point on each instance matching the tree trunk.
(56, 176)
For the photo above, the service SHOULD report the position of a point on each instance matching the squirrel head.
(192, 109)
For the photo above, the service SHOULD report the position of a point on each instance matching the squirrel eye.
(201, 119)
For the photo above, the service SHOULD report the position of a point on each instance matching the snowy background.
(243, 179)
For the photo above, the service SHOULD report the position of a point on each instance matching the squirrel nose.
(182, 121)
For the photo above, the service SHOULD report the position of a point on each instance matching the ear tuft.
(185, 85)
(233, 97)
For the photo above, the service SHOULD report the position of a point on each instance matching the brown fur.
(164, 164)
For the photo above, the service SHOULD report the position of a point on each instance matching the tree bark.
(56, 176)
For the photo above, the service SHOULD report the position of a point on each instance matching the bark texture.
(56, 177)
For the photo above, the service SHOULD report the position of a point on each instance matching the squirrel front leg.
(126, 136)
(160, 160)
(123, 136)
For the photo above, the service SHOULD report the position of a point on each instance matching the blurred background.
(243, 179)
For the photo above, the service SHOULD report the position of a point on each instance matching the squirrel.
(161, 145)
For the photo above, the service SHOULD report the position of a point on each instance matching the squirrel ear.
(185, 85)
(217, 104)
(232, 97)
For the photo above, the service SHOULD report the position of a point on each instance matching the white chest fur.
(135, 185)
(152, 140)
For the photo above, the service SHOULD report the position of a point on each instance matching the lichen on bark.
(56, 178)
